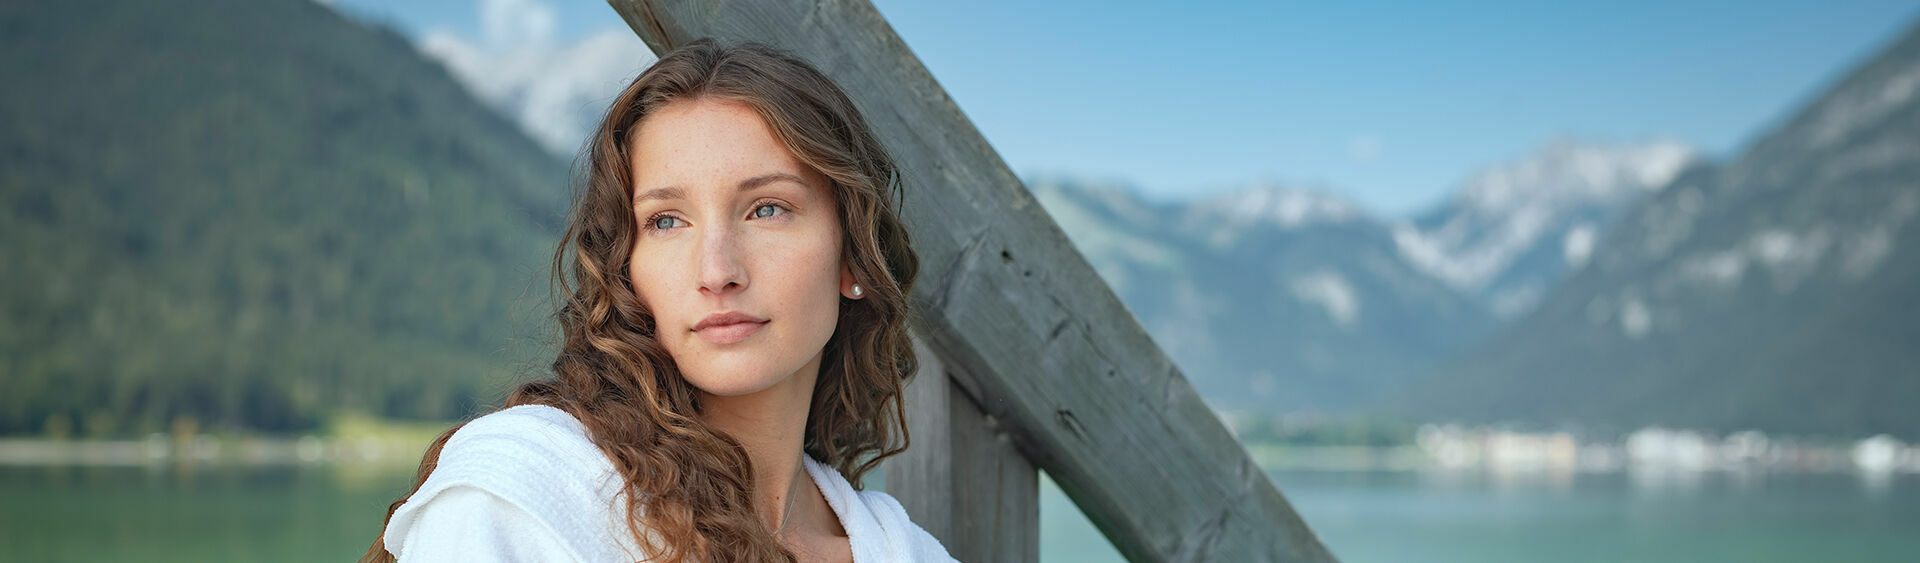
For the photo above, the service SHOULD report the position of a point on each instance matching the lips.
(728, 327)
(726, 318)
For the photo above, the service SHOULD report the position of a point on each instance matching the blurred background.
(1482, 282)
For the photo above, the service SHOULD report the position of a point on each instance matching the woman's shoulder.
(531, 464)
(521, 445)
(533, 451)
(884, 530)
(525, 424)
(907, 541)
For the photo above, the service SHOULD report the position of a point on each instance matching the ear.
(846, 284)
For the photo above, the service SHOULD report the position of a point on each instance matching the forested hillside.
(252, 214)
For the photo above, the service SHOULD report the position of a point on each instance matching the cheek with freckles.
(793, 279)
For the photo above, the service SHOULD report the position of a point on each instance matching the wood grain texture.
(962, 479)
(1019, 318)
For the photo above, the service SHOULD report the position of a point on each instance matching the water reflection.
(1631, 514)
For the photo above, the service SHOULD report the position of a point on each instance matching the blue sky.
(1391, 104)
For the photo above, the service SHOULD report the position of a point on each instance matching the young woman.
(734, 343)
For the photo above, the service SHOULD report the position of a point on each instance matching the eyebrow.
(676, 192)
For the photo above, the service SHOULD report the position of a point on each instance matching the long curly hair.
(687, 482)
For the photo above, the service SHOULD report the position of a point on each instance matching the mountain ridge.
(1209, 278)
(1772, 291)
(1511, 229)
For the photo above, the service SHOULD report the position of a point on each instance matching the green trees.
(252, 214)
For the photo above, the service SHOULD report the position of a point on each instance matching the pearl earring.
(856, 290)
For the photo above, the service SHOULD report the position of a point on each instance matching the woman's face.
(731, 222)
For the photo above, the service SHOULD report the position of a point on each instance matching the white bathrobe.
(526, 484)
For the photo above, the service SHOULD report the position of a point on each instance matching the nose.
(721, 269)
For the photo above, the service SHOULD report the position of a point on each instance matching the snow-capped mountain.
(1776, 291)
(1272, 296)
(556, 91)
(1511, 230)
(1278, 205)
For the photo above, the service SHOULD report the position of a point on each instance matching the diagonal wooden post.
(962, 479)
(1022, 325)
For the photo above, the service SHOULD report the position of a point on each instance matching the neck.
(771, 425)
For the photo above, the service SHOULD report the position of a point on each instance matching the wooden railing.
(1030, 359)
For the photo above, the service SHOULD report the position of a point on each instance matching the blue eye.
(662, 221)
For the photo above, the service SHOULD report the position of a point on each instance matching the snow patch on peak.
(1864, 105)
(1577, 247)
(1286, 206)
(1508, 211)
(1570, 171)
(1787, 255)
(1329, 290)
(1471, 263)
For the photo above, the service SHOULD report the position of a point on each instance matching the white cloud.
(556, 92)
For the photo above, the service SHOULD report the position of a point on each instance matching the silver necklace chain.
(792, 487)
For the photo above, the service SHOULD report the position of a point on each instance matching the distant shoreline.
(403, 452)
(162, 449)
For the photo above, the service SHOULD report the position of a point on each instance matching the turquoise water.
(293, 514)
(221, 513)
(1394, 516)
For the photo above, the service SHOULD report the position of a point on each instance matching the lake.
(1432, 516)
(296, 513)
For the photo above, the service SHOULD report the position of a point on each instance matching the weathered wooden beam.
(1022, 322)
(962, 479)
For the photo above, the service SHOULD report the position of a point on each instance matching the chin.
(728, 380)
(735, 387)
